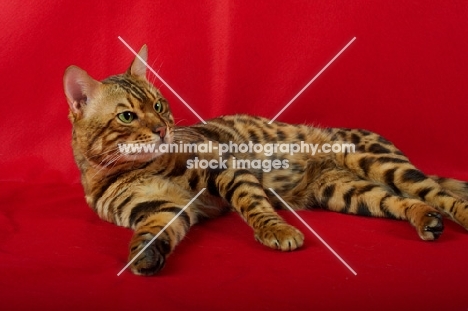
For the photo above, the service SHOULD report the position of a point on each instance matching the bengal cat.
(145, 190)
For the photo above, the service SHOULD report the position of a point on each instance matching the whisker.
(101, 167)
(107, 161)
(117, 148)
(180, 121)
(116, 159)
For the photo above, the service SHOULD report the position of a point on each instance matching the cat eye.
(158, 106)
(126, 116)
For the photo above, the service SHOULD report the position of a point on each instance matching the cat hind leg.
(346, 193)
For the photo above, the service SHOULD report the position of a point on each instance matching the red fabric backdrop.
(405, 77)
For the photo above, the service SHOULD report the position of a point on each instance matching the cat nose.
(161, 131)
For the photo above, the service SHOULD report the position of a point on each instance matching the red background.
(405, 77)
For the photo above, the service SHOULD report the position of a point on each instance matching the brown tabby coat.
(144, 191)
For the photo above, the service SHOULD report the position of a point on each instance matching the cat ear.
(79, 88)
(138, 67)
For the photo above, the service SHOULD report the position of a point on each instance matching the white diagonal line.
(162, 80)
(311, 81)
(160, 232)
(315, 233)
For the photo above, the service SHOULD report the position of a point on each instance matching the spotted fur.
(144, 191)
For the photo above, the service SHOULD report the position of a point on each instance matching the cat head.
(122, 109)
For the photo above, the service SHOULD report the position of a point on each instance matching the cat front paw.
(280, 236)
(153, 258)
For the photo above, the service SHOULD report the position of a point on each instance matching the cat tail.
(457, 187)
